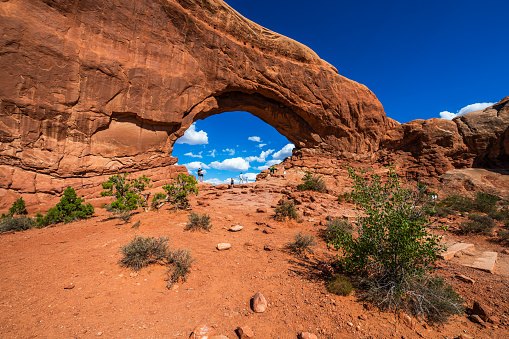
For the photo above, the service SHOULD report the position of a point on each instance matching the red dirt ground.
(113, 302)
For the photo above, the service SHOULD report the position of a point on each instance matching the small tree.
(18, 208)
(177, 192)
(129, 194)
(70, 208)
(394, 251)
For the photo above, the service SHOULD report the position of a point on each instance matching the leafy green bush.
(141, 252)
(458, 203)
(394, 252)
(129, 194)
(302, 243)
(478, 224)
(177, 192)
(312, 183)
(198, 222)
(16, 224)
(18, 208)
(70, 208)
(180, 261)
(335, 227)
(485, 202)
(286, 209)
(340, 285)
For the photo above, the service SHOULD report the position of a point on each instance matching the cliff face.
(94, 87)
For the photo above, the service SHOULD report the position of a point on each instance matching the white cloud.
(229, 151)
(255, 139)
(470, 108)
(261, 145)
(190, 154)
(262, 156)
(234, 164)
(192, 166)
(250, 176)
(268, 164)
(193, 137)
(284, 152)
(212, 153)
(216, 181)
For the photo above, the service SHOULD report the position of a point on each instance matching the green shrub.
(340, 285)
(16, 224)
(198, 222)
(70, 208)
(312, 183)
(501, 215)
(394, 253)
(485, 202)
(285, 209)
(302, 243)
(503, 235)
(129, 194)
(458, 203)
(141, 252)
(177, 192)
(442, 211)
(180, 261)
(477, 224)
(18, 208)
(335, 227)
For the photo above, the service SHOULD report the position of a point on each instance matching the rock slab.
(485, 262)
(452, 250)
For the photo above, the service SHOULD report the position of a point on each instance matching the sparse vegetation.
(458, 203)
(340, 285)
(180, 261)
(394, 253)
(335, 227)
(177, 192)
(485, 202)
(198, 222)
(478, 224)
(312, 183)
(129, 194)
(285, 209)
(16, 224)
(503, 235)
(302, 243)
(70, 208)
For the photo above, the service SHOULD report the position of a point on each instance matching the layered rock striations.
(94, 87)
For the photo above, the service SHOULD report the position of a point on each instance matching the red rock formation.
(93, 87)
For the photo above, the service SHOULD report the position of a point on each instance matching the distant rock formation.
(94, 87)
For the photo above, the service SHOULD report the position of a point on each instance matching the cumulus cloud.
(229, 151)
(255, 139)
(470, 108)
(261, 157)
(193, 137)
(234, 164)
(251, 177)
(284, 152)
(190, 154)
(192, 166)
(216, 181)
(212, 153)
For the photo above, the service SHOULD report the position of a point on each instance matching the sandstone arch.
(89, 88)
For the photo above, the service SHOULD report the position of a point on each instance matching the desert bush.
(129, 194)
(141, 252)
(177, 192)
(335, 227)
(485, 202)
(285, 209)
(16, 224)
(501, 215)
(18, 208)
(503, 235)
(340, 285)
(394, 252)
(477, 224)
(345, 197)
(458, 203)
(70, 208)
(180, 261)
(302, 243)
(198, 222)
(312, 183)
(442, 211)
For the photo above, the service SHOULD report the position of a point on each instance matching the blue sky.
(422, 59)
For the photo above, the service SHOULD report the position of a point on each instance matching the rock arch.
(92, 87)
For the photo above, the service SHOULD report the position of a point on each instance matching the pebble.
(235, 228)
(203, 331)
(223, 246)
(245, 332)
(259, 303)
(307, 335)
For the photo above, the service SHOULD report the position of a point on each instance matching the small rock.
(268, 231)
(229, 217)
(363, 317)
(235, 228)
(223, 246)
(465, 278)
(202, 203)
(133, 274)
(99, 334)
(249, 243)
(409, 321)
(269, 247)
(358, 328)
(245, 332)
(259, 303)
(261, 210)
(469, 253)
(476, 319)
(464, 336)
(505, 251)
(349, 324)
(203, 332)
(458, 254)
(307, 335)
(69, 286)
(271, 225)
(481, 310)
(494, 319)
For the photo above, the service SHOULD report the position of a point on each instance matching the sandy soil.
(39, 266)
